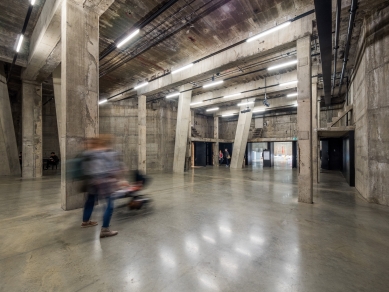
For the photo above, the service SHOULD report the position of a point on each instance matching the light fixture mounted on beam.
(103, 101)
(213, 84)
(212, 109)
(282, 65)
(288, 83)
(32, 2)
(182, 68)
(228, 115)
(196, 103)
(292, 94)
(173, 95)
(269, 31)
(19, 43)
(245, 103)
(127, 38)
(232, 95)
(141, 85)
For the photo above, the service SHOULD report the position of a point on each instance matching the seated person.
(53, 160)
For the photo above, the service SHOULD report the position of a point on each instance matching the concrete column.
(142, 133)
(183, 119)
(216, 144)
(79, 89)
(241, 135)
(8, 148)
(318, 110)
(304, 119)
(57, 99)
(314, 133)
(32, 129)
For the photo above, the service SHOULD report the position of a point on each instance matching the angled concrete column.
(79, 87)
(304, 119)
(10, 160)
(32, 129)
(142, 133)
(241, 135)
(216, 144)
(314, 133)
(57, 99)
(183, 119)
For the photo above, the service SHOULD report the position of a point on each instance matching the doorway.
(229, 147)
(203, 153)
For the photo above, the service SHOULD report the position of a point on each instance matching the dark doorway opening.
(229, 147)
(203, 153)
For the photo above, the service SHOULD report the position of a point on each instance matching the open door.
(200, 154)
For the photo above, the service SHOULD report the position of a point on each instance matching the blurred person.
(227, 157)
(221, 157)
(102, 169)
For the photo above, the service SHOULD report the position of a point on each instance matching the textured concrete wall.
(370, 95)
(50, 141)
(121, 120)
(203, 125)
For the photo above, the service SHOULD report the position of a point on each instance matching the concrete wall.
(203, 125)
(121, 120)
(50, 130)
(370, 96)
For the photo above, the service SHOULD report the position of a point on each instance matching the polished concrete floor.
(213, 229)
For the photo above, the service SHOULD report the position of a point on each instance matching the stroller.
(137, 201)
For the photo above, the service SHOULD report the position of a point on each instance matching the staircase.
(195, 133)
(340, 116)
(257, 133)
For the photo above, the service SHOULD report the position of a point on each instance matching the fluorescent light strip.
(258, 110)
(196, 103)
(141, 85)
(213, 84)
(19, 43)
(245, 103)
(212, 109)
(282, 65)
(296, 104)
(232, 95)
(182, 68)
(173, 95)
(127, 38)
(32, 2)
(269, 31)
(292, 94)
(103, 101)
(288, 83)
(228, 115)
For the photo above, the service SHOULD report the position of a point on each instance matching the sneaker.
(88, 224)
(105, 232)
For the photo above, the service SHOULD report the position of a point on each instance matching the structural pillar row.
(8, 148)
(304, 120)
(216, 144)
(242, 135)
(142, 133)
(79, 88)
(32, 129)
(182, 129)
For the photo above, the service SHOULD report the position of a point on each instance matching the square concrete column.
(79, 89)
(57, 99)
(314, 133)
(8, 148)
(142, 133)
(304, 119)
(216, 144)
(32, 129)
(242, 135)
(183, 119)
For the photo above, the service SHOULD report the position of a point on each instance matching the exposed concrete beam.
(244, 52)
(287, 77)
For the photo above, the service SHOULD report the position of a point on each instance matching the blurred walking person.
(102, 170)
(227, 157)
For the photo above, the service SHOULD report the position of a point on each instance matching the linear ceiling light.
(213, 83)
(173, 95)
(228, 115)
(141, 85)
(19, 43)
(269, 31)
(127, 38)
(282, 65)
(196, 103)
(232, 95)
(32, 2)
(245, 103)
(103, 101)
(288, 83)
(182, 68)
(296, 104)
(292, 94)
(212, 109)
(258, 110)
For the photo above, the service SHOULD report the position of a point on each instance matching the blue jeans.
(108, 212)
(88, 207)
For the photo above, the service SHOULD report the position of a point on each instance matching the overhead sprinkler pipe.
(336, 46)
(353, 11)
